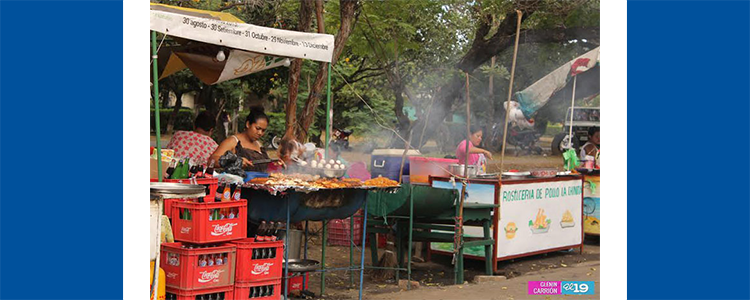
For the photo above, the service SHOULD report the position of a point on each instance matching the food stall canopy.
(219, 29)
(558, 83)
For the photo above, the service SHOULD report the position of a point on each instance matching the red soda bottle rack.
(297, 283)
(261, 290)
(201, 223)
(197, 267)
(258, 261)
(223, 293)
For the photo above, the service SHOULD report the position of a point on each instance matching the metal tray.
(302, 265)
(170, 190)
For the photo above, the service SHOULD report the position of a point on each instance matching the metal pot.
(458, 170)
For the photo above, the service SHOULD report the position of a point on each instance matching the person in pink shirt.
(196, 144)
(476, 154)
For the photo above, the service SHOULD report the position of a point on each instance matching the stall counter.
(534, 216)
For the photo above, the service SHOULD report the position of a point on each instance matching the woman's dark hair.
(256, 113)
(593, 130)
(475, 128)
(205, 121)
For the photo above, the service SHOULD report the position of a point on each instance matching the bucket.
(295, 242)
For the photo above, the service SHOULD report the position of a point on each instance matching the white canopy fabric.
(271, 41)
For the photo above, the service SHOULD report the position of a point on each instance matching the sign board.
(538, 216)
(591, 216)
(271, 41)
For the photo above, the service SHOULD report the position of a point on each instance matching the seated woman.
(196, 144)
(591, 147)
(476, 154)
(247, 144)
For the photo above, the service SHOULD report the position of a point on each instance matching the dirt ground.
(436, 276)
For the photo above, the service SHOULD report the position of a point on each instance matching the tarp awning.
(219, 29)
(539, 93)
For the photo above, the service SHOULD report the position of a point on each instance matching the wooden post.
(510, 88)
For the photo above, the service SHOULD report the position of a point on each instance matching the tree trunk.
(348, 19)
(295, 68)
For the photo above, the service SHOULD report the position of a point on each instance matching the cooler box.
(387, 162)
(424, 167)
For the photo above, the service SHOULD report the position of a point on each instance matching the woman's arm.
(590, 150)
(226, 145)
(477, 150)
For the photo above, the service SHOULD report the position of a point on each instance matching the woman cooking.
(247, 144)
(476, 154)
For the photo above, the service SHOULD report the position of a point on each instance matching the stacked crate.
(259, 269)
(201, 265)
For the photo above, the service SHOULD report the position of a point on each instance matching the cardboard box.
(155, 169)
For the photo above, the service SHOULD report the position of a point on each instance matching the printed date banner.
(277, 42)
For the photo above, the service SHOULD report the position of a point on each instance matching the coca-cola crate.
(223, 293)
(197, 268)
(211, 184)
(339, 231)
(297, 283)
(198, 222)
(261, 290)
(258, 261)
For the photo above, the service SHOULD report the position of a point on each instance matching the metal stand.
(323, 268)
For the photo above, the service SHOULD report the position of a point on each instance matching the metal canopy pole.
(572, 110)
(156, 105)
(510, 89)
(155, 280)
(329, 113)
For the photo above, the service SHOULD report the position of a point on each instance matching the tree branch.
(353, 80)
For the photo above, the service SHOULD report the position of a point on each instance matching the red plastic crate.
(183, 271)
(223, 293)
(339, 231)
(199, 229)
(296, 283)
(246, 290)
(260, 269)
(211, 184)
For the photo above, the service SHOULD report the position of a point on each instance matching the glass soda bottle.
(202, 261)
(219, 191)
(261, 230)
(170, 169)
(210, 260)
(219, 260)
(237, 195)
(227, 196)
(209, 171)
(186, 169)
(177, 171)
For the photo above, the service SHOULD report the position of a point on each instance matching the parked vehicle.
(583, 119)
(524, 139)
(341, 137)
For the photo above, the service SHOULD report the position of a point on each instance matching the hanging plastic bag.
(570, 160)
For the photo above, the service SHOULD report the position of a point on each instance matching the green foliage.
(184, 121)
(428, 37)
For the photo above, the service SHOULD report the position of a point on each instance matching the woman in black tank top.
(247, 144)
